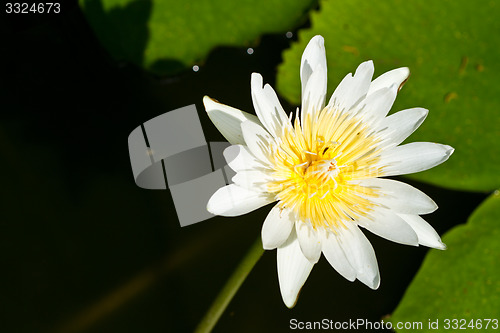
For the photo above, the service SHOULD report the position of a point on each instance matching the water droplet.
(289, 34)
(250, 50)
(196, 68)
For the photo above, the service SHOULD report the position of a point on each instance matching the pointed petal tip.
(423, 115)
(318, 39)
(450, 150)
(256, 76)
(211, 103)
(393, 79)
(256, 82)
(405, 75)
(313, 53)
(422, 111)
(376, 283)
(433, 207)
(372, 283)
(290, 301)
(313, 260)
(290, 296)
(207, 101)
(405, 71)
(227, 119)
(366, 65)
(438, 245)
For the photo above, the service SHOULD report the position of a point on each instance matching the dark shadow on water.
(122, 30)
(167, 66)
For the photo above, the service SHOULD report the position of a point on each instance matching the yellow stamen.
(315, 164)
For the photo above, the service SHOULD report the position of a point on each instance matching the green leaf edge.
(422, 281)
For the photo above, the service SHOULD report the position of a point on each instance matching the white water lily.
(323, 168)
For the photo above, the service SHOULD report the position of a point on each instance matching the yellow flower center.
(315, 164)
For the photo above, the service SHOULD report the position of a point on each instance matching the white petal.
(413, 157)
(233, 200)
(277, 227)
(254, 180)
(313, 99)
(313, 55)
(427, 236)
(400, 197)
(390, 226)
(293, 269)
(341, 90)
(398, 126)
(360, 254)
(336, 256)
(228, 119)
(267, 106)
(239, 158)
(377, 105)
(391, 79)
(258, 141)
(309, 241)
(353, 88)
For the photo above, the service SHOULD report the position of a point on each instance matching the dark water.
(85, 250)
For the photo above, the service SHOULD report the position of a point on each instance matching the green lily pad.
(461, 283)
(165, 36)
(451, 48)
